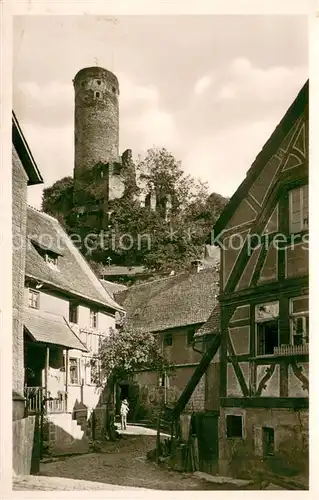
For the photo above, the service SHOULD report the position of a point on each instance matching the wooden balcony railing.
(56, 405)
(35, 398)
(291, 350)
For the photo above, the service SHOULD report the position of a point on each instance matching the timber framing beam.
(263, 402)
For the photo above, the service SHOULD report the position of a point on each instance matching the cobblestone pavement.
(42, 483)
(124, 463)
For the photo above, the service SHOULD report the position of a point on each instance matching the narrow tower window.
(97, 94)
(99, 82)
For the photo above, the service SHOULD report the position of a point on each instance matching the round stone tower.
(96, 119)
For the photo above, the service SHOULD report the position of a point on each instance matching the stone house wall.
(19, 219)
(242, 456)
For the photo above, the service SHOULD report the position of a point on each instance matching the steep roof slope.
(24, 153)
(212, 325)
(73, 274)
(185, 299)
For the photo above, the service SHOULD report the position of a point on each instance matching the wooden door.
(207, 436)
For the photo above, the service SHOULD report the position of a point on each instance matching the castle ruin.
(96, 146)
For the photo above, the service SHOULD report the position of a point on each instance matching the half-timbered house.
(263, 237)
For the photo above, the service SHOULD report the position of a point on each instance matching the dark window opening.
(97, 94)
(99, 82)
(267, 337)
(114, 90)
(73, 312)
(168, 339)
(190, 336)
(268, 441)
(51, 258)
(93, 319)
(299, 320)
(234, 426)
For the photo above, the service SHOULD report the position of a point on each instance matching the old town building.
(263, 234)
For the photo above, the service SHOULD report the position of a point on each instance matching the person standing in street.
(124, 411)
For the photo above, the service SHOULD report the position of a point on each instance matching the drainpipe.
(197, 350)
(66, 379)
(46, 374)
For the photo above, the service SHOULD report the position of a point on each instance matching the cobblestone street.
(124, 463)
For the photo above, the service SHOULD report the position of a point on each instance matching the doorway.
(206, 428)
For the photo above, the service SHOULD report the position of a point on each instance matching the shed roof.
(50, 329)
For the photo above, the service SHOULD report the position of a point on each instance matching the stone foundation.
(246, 456)
(63, 435)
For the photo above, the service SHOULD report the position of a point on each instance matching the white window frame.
(300, 314)
(88, 371)
(303, 222)
(78, 364)
(163, 381)
(32, 294)
(93, 342)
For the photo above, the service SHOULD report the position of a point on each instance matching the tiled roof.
(181, 300)
(122, 270)
(113, 288)
(212, 325)
(50, 329)
(73, 273)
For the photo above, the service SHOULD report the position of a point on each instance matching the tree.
(122, 353)
(160, 171)
(135, 234)
(57, 200)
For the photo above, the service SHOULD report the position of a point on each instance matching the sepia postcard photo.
(159, 281)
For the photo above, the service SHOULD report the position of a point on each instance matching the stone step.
(66, 435)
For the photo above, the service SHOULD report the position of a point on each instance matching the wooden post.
(46, 374)
(158, 437)
(66, 379)
(165, 388)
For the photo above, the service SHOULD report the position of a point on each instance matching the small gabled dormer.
(50, 255)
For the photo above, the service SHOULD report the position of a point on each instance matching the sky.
(210, 89)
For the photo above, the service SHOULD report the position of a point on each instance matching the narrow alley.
(120, 463)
